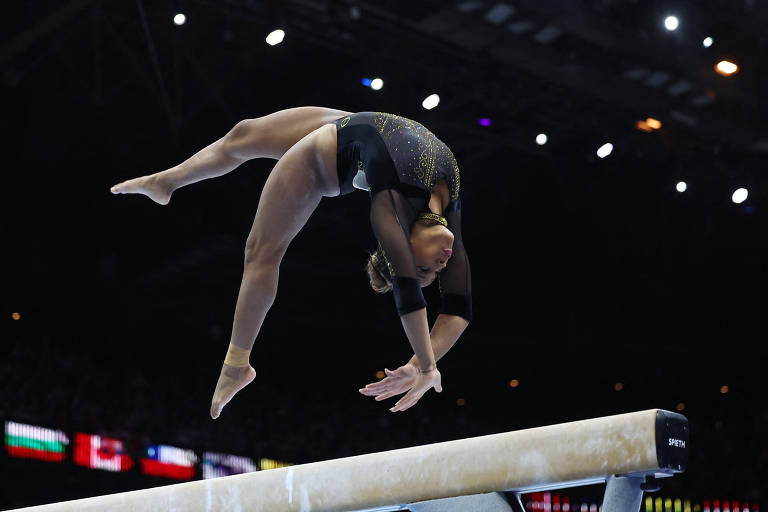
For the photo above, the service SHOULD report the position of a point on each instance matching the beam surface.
(567, 454)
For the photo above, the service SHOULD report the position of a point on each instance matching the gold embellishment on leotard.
(424, 159)
(435, 217)
(344, 121)
(387, 263)
(456, 178)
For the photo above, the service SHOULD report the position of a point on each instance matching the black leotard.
(402, 161)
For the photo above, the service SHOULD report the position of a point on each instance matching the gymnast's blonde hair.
(379, 282)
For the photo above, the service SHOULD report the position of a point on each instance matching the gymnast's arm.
(391, 225)
(445, 332)
(455, 289)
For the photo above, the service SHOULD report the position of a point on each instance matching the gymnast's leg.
(305, 174)
(263, 137)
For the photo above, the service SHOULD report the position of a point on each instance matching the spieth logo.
(677, 443)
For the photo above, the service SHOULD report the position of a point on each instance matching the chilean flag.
(100, 453)
(170, 462)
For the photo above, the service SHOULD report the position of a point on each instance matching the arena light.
(681, 186)
(605, 150)
(375, 84)
(643, 126)
(541, 139)
(649, 125)
(726, 68)
(707, 42)
(179, 19)
(671, 23)
(431, 101)
(275, 37)
(740, 195)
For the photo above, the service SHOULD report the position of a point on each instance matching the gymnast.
(413, 182)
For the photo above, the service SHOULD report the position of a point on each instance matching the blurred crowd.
(51, 386)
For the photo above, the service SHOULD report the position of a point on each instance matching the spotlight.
(541, 139)
(707, 42)
(377, 83)
(740, 195)
(179, 19)
(671, 23)
(726, 68)
(681, 186)
(431, 101)
(605, 150)
(275, 37)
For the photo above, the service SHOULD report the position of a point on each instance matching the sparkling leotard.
(399, 161)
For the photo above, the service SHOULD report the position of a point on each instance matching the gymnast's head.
(432, 245)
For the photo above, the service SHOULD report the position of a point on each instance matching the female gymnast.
(413, 182)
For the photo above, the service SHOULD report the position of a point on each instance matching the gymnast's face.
(432, 248)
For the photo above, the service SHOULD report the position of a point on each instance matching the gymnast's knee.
(244, 139)
(263, 253)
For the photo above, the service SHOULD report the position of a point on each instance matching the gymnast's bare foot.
(151, 186)
(231, 380)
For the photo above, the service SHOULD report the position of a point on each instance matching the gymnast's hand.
(395, 382)
(406, 378)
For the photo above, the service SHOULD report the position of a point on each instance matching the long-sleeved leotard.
(399, 161)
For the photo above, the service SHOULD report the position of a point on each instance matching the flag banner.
(224, 464)
(98, 452)
(33, 442)
(272, 464)
(169, 461)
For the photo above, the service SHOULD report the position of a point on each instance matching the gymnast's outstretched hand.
(395, 382)
(406, 378)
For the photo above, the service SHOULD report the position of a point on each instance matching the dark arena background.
(613, 160)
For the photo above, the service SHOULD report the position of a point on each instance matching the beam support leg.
(491, 502)
(623, 494)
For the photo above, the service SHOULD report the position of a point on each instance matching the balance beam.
(628, 451)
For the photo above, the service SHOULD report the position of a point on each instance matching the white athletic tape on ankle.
(237, 356)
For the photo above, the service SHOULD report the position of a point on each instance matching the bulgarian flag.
(169, 461)
(33, 442)
(100, 453)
